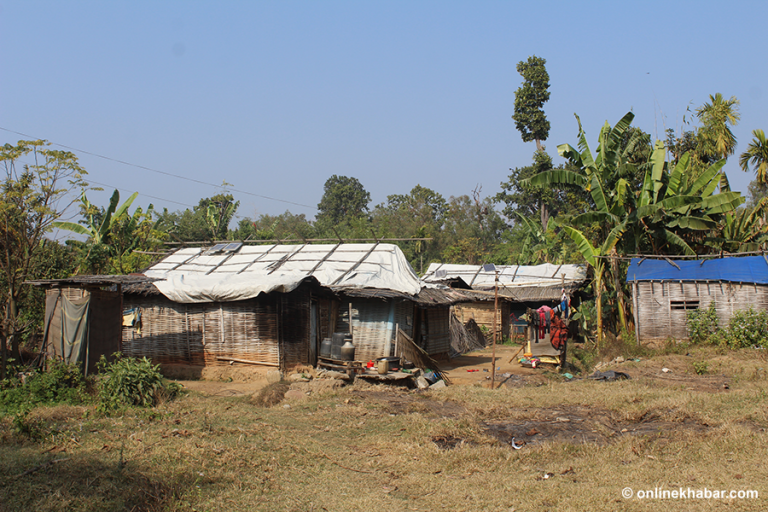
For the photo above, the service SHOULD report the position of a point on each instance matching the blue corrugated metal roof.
(748, 269)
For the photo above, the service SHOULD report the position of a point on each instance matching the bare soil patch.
(399, 402)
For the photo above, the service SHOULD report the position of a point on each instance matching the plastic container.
(337, 341)
(382, 366)
(325, 347)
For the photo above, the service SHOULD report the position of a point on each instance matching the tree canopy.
(343, 199)
(530, 98)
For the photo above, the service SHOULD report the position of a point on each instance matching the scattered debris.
(515, 446)
(666, 370)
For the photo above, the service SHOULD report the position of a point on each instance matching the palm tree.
(757, 155)
(715, 135)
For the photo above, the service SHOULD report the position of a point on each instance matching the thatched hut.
(665, 290)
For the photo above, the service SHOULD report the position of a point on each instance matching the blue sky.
(275, 97)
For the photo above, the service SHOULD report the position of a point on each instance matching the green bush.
(701, 367)
(128, 381)
(747, 328)
(60, 383)
(702, 324)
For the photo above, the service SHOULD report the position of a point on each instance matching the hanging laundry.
(132, 318)
(558, 333)
(545, 315)
(565, 303)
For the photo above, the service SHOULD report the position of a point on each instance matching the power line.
(158, 171)
(142, 194)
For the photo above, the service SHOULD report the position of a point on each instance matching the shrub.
(60, 383)
(702, 324)
(701, 367)
(747, 328)
(128, 381)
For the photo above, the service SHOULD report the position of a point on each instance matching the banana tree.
(671, 210)
(536, 245)
(743, 230)
(604, 175)
(97, 228)
(674, 209)
(595, 256)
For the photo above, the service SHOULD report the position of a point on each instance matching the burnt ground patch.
(580, 424)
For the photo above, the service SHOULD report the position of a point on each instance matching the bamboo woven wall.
(294, 328)
(372, 328)
(438, 335)
(482, 314)
(404, 310)
(373, 323)
(199, 334)
(662, 307)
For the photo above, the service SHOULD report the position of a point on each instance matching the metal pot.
(348, 351)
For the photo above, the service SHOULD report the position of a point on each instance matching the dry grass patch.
(362, 447)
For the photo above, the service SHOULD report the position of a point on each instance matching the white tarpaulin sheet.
(200, 275)
(201, 288)
(510, 276)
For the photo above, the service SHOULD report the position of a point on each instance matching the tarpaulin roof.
(518, 282)
(206, 274)
(749, 269)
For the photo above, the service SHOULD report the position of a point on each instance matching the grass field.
(375, 447)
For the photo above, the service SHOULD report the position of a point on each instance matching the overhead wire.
(178, 176)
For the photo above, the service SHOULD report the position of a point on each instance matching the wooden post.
(636, 312)
(495, 328)
(351, 332)
(397, 333)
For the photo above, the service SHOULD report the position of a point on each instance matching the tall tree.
(757, 156)
(715, 135)
(34, 195)
(530, 98)
(343, 199)
(472, 230)
(418, 214)
(529, 116)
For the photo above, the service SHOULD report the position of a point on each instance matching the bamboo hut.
(274, 304)
(519, 287)
(82, 317)
(665, 291)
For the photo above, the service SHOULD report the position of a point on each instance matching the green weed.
(128, 381)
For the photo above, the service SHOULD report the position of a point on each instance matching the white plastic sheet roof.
(510, 276)
(195, 275)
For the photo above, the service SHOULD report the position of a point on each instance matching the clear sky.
(274, 97)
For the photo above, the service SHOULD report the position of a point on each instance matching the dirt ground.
(475, 369)
(245, 380)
